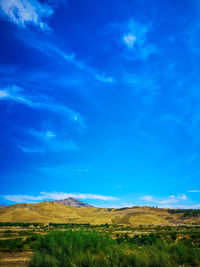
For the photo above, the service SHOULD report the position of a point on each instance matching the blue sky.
(100, 100)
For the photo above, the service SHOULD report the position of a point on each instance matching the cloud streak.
(55, 196)
(15, 93)
(71, 58)
(55, 53)
(31, 150)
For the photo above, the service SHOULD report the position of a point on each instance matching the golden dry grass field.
(46, 212)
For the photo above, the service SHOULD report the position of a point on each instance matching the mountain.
(46, 212)
(1, 206)
(73, 202)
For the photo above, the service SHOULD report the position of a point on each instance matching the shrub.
(11, 245)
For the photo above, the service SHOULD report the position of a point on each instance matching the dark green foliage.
(24, 225)
(124, 208)
(109, 209)
(70, 225)
(11, 245)
(173, 235)
(139, 239)
(91, 249)
(186, 212)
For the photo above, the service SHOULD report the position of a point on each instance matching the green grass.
(92, 249)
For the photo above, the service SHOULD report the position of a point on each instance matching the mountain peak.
(73, 202)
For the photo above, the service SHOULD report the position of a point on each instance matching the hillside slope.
(46, 212)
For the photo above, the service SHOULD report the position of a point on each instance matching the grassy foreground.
(92, 249)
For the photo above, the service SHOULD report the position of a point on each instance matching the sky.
(100, 100)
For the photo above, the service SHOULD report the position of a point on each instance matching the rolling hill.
(46, 212)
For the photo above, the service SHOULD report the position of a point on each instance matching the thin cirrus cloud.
(56, 54)
(55, 196)
(15, 93)
(48, 142)
(26, 12)
(66, 169)
(194, 191)
(53, 146)
(169, 200)
(31, 150)
(52, 143)
(101, 77)
(44, 135)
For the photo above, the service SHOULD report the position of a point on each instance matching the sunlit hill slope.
(46, 212)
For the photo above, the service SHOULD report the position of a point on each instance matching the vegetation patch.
(186, 212)
(89, 248)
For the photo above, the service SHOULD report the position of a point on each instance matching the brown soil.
(15, 259)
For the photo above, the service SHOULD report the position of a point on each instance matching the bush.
(91, 249)
(11, 245)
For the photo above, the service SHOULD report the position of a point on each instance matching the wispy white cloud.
(129, 40)
(30, 150)
(26, 12)
(177, 206)
(4, 94)
(172, 199)
(194, 191)
(23, 198)
(55, 196)
(78, 195)
(48, 139)
(55, 53)
(55, 146)
(147, 198)
(134, 38)
(169, 200)
(127, 204)
(45, 135)
(16, 93)
(48, 142)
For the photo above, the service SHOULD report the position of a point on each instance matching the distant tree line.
(186, 212)
(18, 224)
